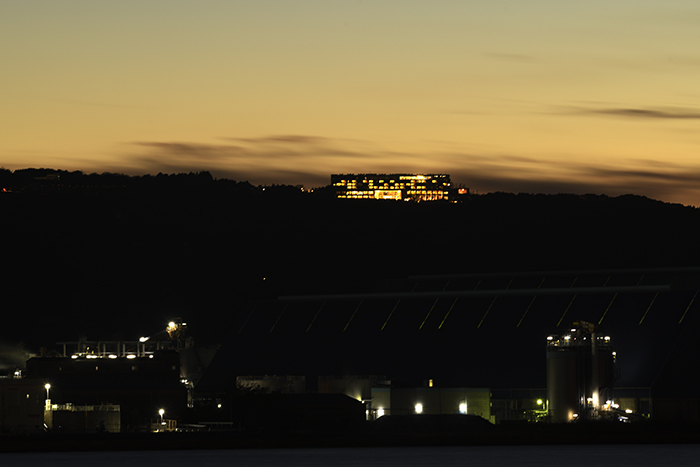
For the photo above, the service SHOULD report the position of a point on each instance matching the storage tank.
(580, 373)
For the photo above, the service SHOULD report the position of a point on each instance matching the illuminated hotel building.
(407, 187)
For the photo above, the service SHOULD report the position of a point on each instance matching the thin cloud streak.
(653, 114)
(510, 57)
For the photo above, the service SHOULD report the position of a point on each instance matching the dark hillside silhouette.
(111, 256)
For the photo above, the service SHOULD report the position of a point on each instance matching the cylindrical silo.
(580, 369)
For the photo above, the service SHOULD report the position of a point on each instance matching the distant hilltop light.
(406, 187)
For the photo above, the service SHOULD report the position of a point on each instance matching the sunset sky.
(540, 96)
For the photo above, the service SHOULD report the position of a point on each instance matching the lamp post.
(161, 412)
(47, 386)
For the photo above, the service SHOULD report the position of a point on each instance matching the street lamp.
(161, 412)
(47, 386)
(463, 406)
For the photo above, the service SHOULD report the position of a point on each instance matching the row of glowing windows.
(364, 195)
(112, 356)
(351, 183)
(416, 192)
(410, 192)
(406, 177)
(370, 181)
(418, 408)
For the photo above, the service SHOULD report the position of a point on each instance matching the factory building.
(100, 386)
(69, 418)
(140, 386)
(486, 334)
(406, 187)
(543, 346)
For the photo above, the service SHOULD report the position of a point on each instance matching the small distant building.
(407, 187)
(69, 418)
(21, 405)
(431, 400)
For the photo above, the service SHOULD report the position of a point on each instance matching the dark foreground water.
(472, 456)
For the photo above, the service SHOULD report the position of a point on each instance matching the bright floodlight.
(171, 324)
(463, 408)
(47, 386)
(419, 408)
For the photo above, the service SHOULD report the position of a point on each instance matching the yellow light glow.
(419, 408)
(463, 408)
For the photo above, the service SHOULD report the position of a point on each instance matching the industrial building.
(533, 346)
(69, 418)
(93, 386)
(406, 187)
(542, 346)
